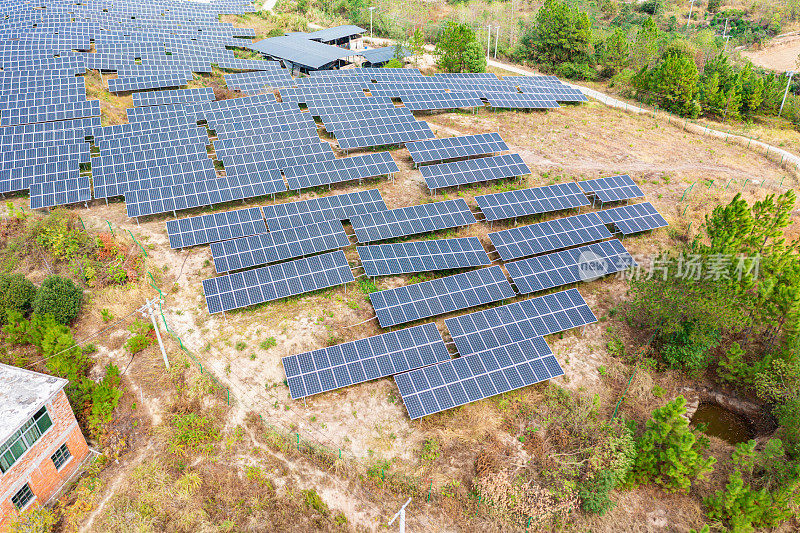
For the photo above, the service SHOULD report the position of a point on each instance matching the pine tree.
(616, 51)
(559, 35)
(645, 47)
(457, 49)
(668, 453)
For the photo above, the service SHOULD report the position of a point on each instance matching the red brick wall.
(36, 466)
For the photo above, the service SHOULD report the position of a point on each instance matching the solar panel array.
(422, 256)
(521, 101)
(435, 101)
(251, 287)
(584, 263)
(382, 225)
(200, 94)
(263, 248)
(484, 331)
(522, 202)
(612, 188)
(548, 236)
(363, 360)
(336, 207)
(433, 150)
(630, 219)
(61, 192)
(473, 171)
(439, 296)
(384, 134)
(173, 198)
(212, 227)
(340, 170)
(456, 382)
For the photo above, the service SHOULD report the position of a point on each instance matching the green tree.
(59, 297)
(560, 34)
(616, 51)
(673, 82)
(761, 491)
(16, 293)
(458, 50)
(645, 47)
(669, 453)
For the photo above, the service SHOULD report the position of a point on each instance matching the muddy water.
(722, 423)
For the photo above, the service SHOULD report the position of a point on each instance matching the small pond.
(720, 422)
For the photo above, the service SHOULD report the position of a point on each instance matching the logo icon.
(591, 266)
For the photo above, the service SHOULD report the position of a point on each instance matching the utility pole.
(725, 34)
(371, 10)
(691, 7)
(496, 40)
(788, 83)
(402, 514)
(150, 307)
(489, 42)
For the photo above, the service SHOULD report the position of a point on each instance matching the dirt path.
(779, 55)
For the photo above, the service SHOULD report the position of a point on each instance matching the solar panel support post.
(402, 515)
(150, 305)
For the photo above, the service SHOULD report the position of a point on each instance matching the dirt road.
(780, 54)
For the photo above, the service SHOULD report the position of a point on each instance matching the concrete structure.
(41, 445)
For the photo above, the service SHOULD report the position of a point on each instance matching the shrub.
(268, 343)
(192, 432)
(105, 397)
(594, 493)
(314, 501)
(137, 343)
(16, 293)
(59, 297)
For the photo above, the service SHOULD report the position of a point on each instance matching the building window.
(25, 437)
(22, 498)
(61, 456)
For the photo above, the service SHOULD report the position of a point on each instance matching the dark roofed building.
(337, 36)
(296, 51)
(378, 57)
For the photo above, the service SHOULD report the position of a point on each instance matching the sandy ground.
(780, 53)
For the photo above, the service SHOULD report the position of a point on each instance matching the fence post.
(82, 224)
(110, 228)
(229, 395)
(429, 491)
(480, 497)
(298, 441)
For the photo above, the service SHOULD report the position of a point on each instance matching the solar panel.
(15, 158)
(634, 218)
(212, 227)
(175, 112)
(366, 119)
(50, 113)
(382, 225)
(340, 170)
(557, 92)
(262, 124)
(612, 188)
(354, 362)
(473, 171)
(200, 94)
(433, 101)
(521, 101)
(190, 136)
(439, 296)
(275, 159)
(422, 256)
(263, 248)
(382, 134)
(336, 207)
(140, 83)
(456, 382)
(145, 202)
(60, 192)
(522, 202)
(483, 331)
(249, 64)
(547, 236)
(20, 178)
(272, 282)
(456, 147)
(584, 263)
(233, 145)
